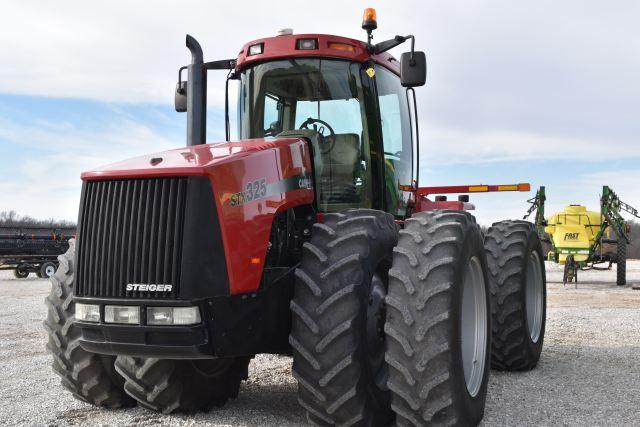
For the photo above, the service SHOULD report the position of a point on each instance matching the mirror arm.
(224, 64)
(412, 61)
(390, 44)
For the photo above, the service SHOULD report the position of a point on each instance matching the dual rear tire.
(449, 294)
(438, 323)
(518, 295)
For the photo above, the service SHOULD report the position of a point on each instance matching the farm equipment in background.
(33, 249)
(310, 237)
(578, 236)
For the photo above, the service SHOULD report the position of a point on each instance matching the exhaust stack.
(196, 95)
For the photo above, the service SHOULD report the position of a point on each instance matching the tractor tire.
(90, 377)
(621, 263)
(338, 311)
(438, 321)
(20, 274)
(518, 295)
(47, 270)
(188, 386)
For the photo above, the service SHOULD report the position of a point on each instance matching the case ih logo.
(571, 236)
(305, 182)
(148, 288)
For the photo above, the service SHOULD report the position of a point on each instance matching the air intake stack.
(196, 95)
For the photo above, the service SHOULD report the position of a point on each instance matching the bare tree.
(13, 219)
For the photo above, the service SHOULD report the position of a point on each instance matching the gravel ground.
(589, 372)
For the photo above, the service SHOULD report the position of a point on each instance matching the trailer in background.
(28, 250)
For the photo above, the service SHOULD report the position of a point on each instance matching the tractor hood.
(246, 183)
(188, 161)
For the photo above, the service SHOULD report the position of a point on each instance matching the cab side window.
(396, 139)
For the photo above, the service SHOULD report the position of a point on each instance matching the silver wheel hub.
(533, 296)
(473, 324)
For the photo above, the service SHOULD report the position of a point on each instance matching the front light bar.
(130, 315)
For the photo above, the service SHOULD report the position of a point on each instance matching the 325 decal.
(253, 190)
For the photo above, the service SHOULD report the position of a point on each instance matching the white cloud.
(130, 51)
(447, 146)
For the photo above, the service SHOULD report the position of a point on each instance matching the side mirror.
(180, 99)
(413, 71)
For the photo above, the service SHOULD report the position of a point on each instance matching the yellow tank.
(573, 231)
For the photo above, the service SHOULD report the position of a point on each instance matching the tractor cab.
(356, 116)
(350, 99)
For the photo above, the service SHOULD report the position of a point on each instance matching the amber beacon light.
(369, 19)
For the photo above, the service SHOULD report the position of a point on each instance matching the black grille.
(130, 232)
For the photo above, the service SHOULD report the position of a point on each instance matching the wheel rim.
(375, 336)
(533, 296)
(49, 271)
(474, 326)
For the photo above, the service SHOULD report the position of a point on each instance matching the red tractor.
(307, 237)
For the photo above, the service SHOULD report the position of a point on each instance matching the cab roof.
(326, 46)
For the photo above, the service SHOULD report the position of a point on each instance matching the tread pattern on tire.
(168, 386)
(420, 321)
(621, 263)
(328, 314)
(90, 377)
(506, 244)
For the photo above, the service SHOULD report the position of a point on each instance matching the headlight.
(127, 314)
(87, 312)
(173, 315)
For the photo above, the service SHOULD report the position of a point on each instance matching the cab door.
(396, 133)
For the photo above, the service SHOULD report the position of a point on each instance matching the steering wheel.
(328, 140)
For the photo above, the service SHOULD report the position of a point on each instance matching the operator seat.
(339, 165)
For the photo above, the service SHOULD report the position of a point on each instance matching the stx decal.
(254, 190)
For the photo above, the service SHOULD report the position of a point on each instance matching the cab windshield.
(323, 95)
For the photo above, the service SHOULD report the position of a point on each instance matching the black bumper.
(174, 342)
(237, 325)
